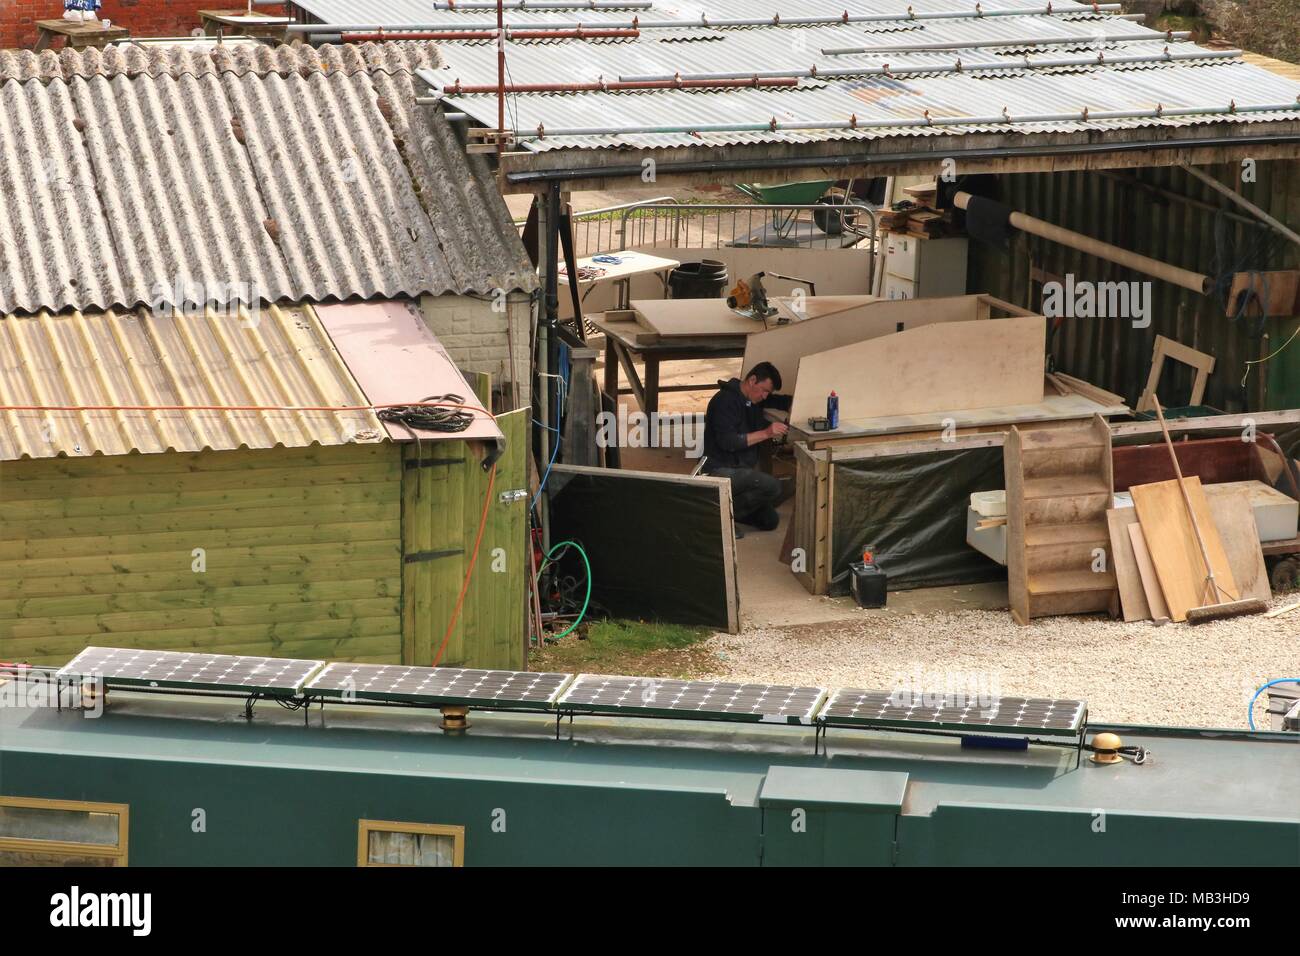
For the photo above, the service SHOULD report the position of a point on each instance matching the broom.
(1216, 609)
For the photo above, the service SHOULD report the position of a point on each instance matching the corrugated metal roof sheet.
(147, 358)
(688, 11)
(303, 175)
(1202, 81)
(1208, 80)
(108, 373)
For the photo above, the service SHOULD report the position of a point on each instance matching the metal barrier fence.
(665, 222)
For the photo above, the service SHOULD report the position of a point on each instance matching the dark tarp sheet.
(655, 544)
(911, 509)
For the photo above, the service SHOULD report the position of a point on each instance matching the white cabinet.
(923, 268)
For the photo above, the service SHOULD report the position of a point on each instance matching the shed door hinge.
(430, 462)
(431, 555)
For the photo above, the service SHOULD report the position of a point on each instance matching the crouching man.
(734, 425)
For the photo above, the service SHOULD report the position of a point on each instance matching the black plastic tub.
(698, 280)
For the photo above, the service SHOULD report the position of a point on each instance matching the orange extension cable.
(239, 408)
(469, 572)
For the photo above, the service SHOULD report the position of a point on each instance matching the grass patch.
(628, 647)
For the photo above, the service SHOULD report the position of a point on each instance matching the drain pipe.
(1194, 281)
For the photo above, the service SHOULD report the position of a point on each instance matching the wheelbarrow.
(805, 193)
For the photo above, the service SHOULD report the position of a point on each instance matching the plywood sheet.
(1132, 596)
(684, 318)
(1275, 512)
(1174, 548)
(785, 345)
(1157, 609)
(395, 358)
(953, 365)
(800, 308)
(1234, 519)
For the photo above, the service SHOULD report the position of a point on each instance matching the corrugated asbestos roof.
(287, 358)
(303, 174)
(148, 358)
(919, 82)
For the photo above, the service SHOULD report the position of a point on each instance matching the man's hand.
(774, 430)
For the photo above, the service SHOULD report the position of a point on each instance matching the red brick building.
(144, 18)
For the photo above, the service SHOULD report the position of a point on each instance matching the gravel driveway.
(1177, 674)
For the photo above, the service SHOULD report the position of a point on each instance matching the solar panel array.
(768, 702)
(196, 671)
(882, 708)
(449, 685)
(567, 693)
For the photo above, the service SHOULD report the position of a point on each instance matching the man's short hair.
(765, 371)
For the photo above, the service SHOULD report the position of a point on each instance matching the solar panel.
(123, 666)
(677, 698)
(882, 708)
(446, 685)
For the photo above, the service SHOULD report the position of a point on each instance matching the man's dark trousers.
(752, 491)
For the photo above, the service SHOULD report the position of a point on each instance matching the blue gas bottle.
(833, 410)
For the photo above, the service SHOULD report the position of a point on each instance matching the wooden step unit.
(1059, 485)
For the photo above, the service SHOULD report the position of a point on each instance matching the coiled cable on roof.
(426, 417)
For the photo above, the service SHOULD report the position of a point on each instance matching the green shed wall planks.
(302, 549)
(1110, 352)
(444, 486)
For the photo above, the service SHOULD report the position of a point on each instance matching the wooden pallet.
(1059, 485)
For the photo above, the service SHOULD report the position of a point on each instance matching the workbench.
(78, 34)
(621, 273)
(1053, 410)
(671, 330)
(625, 343)
(242, 23)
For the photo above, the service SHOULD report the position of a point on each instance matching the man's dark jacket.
(729, 419)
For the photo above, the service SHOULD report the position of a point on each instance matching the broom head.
(1217, 612)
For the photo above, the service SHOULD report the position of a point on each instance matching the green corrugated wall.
(1111, 353)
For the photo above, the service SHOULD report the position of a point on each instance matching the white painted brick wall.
(475, 336)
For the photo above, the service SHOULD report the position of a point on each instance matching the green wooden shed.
(222, 482)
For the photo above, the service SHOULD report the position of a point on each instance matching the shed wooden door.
(444, 487)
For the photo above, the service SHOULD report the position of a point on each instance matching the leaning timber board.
(1132, 597)
(1159, 610)
(1174, 549)
(1234, 518)
(953, 365)
(786, 345)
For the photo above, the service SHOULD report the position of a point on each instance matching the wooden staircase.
(1059, 485)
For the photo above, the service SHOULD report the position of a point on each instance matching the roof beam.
(998, 153)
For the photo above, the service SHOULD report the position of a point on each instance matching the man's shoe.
(767, 519)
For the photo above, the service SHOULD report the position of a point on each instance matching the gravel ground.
(1199, 676)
